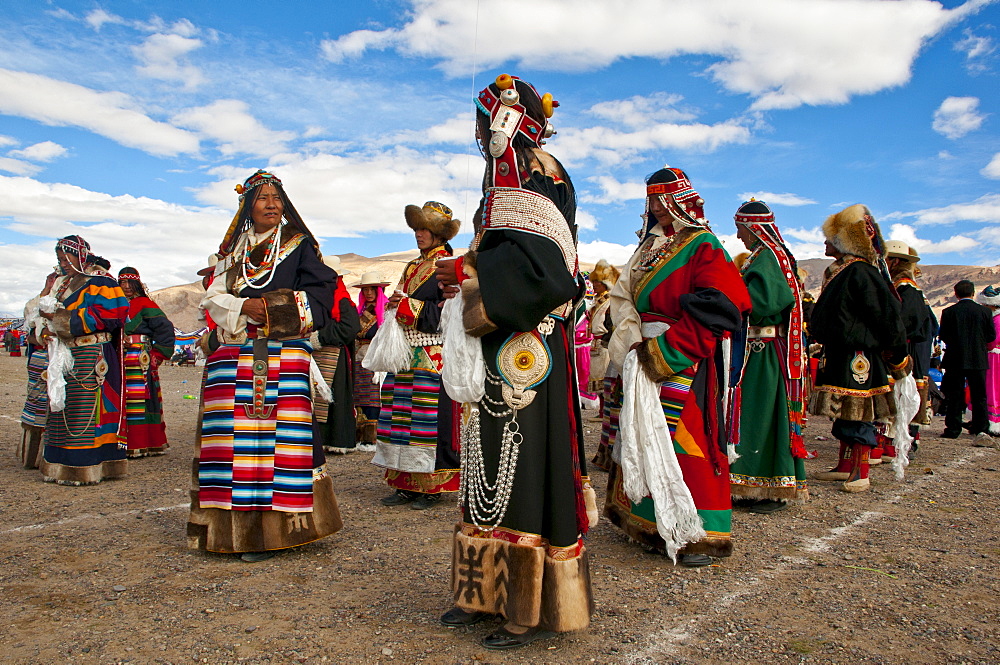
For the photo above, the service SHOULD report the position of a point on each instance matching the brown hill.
(937, 281)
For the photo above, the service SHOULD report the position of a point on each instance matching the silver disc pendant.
(498, 144)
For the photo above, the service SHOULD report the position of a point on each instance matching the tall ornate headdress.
(503, 101)
(75, 246)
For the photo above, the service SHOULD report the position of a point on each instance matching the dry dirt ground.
(906, 573)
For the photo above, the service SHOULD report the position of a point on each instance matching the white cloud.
(111, 114)
(585, 221)
(977, 51)
(347, 196)
(229, 122)
(7, 141)
(992, 170)
(616, 255)
(908, 235)
(18, 166)
(97, 18)
(45, 151)
(161, 56)
(784, 53)
(640, 111)
(985, 209)
(613, 191)
(458, 130)
(612, 146)
(957, 116)
(791, 200)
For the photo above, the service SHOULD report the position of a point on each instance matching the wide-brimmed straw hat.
(213, 260)
(371, 278)
(333, 261)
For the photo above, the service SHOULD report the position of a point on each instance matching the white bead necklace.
(271, 257)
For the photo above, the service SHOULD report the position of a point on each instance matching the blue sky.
(131, 122)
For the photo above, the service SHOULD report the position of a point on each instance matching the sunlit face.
(67, 262)
(127, 288)
(745, 236)
(599, 288)
(267, 209)
(425, 240)
(659, 212)
(369, 293)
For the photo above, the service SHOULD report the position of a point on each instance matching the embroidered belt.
(89, 340)
(138, 339)
(766, 332)
(417, 338)
(257, 409)
(653, 328)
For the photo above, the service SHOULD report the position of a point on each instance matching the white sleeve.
(223, 307)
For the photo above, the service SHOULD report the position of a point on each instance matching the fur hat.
(897, 249)
(605, 273)
(433, 216)
(853, 231)
(740, 259)
(989, 296)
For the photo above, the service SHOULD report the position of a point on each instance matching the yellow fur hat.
(853, 231)
(740, 259)
(433, 216)
(605, 273)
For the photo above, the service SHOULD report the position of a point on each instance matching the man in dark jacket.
(966, 329)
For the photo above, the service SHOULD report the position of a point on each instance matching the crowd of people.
(469, 377)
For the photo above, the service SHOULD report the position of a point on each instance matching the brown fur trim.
(846, 231)
(757, 492)
(60, 323)
(231, 531)
(366, 429)
(651, 360)
(30, 452)
(899, 371)
(85, 475)
(590, 501)
(282, 314)
(477, 323)
(520, 583)
(469, 266)
(852, 407)
(443, 226)
(716, 546)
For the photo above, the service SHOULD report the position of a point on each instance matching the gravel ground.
(905, 573)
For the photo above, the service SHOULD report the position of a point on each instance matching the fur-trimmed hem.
(521, 583)
(852, 407)
(84, 475)
(134, 453)
(282, 314)
(477, 323)
(233, 531)
(590, 501)
(30, 450)
(793, 495)
(716, 546)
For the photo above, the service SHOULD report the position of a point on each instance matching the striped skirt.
(142, 428)
(36, 404)
(257, 455)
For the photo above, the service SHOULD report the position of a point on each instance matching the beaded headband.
(74, 245)
(129, 275)
(259, 178)
(754, 217)
(683, 195)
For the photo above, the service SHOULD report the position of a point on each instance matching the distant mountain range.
(180, 303)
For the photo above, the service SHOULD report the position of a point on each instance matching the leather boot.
(843, 469)
(858, 480)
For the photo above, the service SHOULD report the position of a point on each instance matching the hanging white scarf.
(649, 464)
